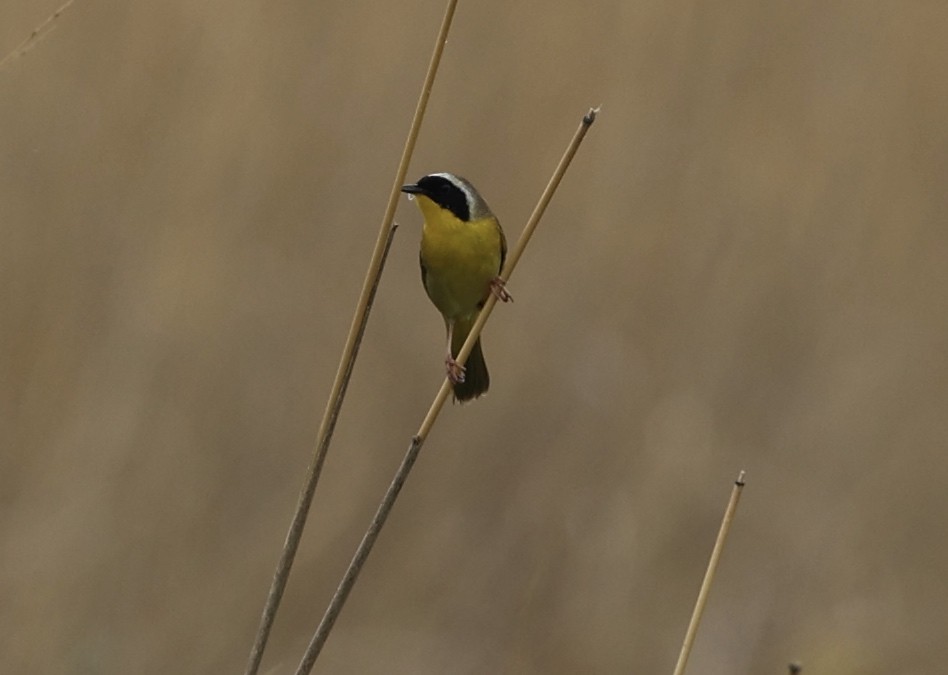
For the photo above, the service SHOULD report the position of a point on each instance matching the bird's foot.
(499, 288)
(454, 369)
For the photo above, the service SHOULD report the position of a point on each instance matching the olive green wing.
(424, 271)
(503, 247)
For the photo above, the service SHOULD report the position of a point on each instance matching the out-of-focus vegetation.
(746, 267)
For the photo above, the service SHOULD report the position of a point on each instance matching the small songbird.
(462, 253)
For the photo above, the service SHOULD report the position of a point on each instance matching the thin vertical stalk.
(346, 361)
(709, 575)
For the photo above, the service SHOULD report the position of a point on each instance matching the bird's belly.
(459, 266)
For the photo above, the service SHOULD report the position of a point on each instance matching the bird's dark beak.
(412, 189)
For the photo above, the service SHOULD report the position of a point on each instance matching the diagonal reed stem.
(38, 34)
(350, 351)
(709, 575)
(388, 501)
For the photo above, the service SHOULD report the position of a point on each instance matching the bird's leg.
(454, 369)
(499, 288)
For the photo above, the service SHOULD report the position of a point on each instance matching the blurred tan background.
(746, 267)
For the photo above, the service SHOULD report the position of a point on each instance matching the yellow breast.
(460, 258)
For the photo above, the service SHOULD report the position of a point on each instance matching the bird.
(462, 253)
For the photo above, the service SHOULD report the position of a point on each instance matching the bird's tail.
(476, 377)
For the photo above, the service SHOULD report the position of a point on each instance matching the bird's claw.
(499, 288)
(454, 369)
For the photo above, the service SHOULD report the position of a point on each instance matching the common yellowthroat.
(462, 253)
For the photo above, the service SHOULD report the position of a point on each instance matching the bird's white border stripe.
(458, 182)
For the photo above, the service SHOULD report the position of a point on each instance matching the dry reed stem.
(347, 360)
(388, 501)
(35, 37)
(709, 575)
